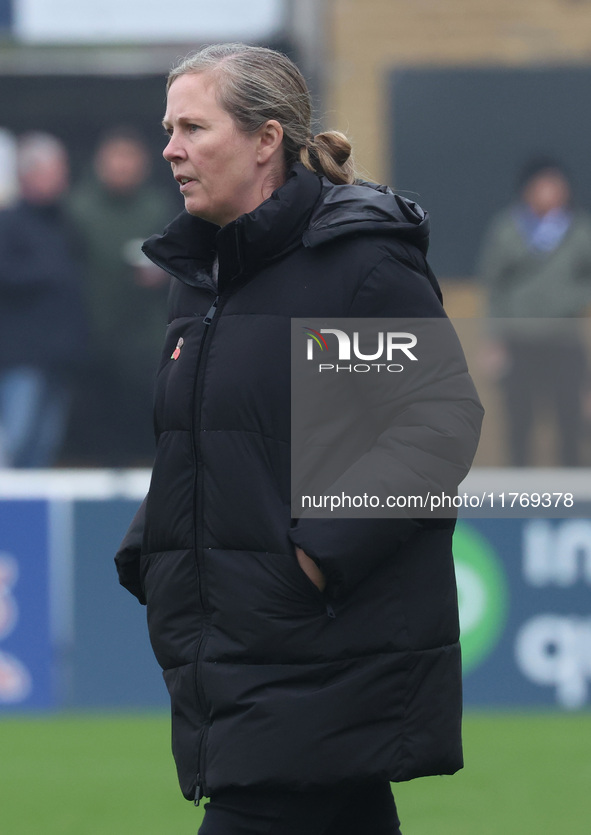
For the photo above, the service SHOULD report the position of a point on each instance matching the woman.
(309, 662)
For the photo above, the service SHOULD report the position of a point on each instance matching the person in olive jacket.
(535, 267)
(115, 207)
(309, 662)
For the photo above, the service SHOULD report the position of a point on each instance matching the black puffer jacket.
(269, 685)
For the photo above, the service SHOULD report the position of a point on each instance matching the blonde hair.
(254, 84)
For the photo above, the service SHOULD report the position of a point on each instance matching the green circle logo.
(482, 595)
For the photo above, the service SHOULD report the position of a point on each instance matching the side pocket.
(320, 597)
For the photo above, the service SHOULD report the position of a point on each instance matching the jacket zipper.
(328, 607)
(208, 318)
(200, 779)
(201, 359)
(196, 431)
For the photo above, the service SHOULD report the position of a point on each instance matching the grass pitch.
(114, 775)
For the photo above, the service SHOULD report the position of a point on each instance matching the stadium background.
(442, 98)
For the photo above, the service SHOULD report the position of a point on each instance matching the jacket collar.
(306, 209)
(188, 246)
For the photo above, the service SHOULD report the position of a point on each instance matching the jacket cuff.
(127, 558)
(129, 577)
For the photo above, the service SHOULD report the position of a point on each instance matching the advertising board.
(26, 652)
(524, 589)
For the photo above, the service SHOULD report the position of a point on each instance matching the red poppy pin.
(177, 351)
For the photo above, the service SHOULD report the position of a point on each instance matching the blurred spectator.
(8, 176)
(42, 327)
(536, 267)
(116, 209)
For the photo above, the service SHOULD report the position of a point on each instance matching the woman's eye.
(193, 128)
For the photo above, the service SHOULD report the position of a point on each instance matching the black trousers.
(545, 374)
(356, 810)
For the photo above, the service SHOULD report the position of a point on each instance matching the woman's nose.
(173, 150)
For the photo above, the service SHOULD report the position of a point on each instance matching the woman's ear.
(270, 139)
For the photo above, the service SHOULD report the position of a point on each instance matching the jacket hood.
(366, 207)
(306, 209)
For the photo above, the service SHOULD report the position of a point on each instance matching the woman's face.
(220, 169)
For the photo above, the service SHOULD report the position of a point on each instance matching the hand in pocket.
(310, 569)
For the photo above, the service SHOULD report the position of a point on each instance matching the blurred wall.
(459, 137)
(444, 100)
(81, 108)
(368, 38)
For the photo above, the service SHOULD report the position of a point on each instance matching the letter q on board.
(555, 650)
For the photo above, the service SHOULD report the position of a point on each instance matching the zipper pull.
(198, 791)
(329, 610)
(211, 312)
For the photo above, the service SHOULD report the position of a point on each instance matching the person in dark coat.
(115, 208)
(309, 661)
(43, 332)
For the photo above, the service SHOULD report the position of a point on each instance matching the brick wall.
(368, 37)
